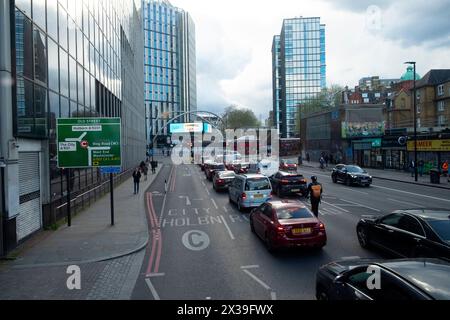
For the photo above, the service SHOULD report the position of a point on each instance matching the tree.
(327, 99)
(235, 118)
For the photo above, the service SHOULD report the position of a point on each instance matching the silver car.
(250, 190)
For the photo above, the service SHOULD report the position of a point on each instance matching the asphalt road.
(202, 247)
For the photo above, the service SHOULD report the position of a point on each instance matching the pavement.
(393, 175)
(109, 256)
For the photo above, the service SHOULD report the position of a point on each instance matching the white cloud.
(234, 39)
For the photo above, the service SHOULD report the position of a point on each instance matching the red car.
(287, 224)
(288, 165)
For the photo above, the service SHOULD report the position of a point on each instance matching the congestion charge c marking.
(195, 240)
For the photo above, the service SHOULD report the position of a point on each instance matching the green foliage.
(235, 118)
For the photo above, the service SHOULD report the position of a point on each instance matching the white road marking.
(361, 205)
(228, 228)
(262, 283)
(225, 209)
(350, 258)
(412, 193)
(203, 183)
(215, 204)
(353, 190)
(325, 211)
(342, 209)
(207, 191)
(188, 202)
(255, 266)
(162, 210)
(152, 289)
(208, 298)
(273, 295)
(153, 275)
(407, 203)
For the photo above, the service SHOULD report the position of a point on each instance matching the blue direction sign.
(105, 170)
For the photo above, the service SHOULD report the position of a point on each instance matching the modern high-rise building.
(170, 65)
(299, 70)
(61, 59)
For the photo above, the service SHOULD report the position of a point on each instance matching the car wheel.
(363, 238)
(321, 295)
(239, 206)
(269, 244)
(347, 182)
(252, 226)
(279, 193)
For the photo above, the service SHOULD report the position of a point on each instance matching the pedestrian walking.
(322, 163)
(144, 169)
(153, 165)
(412, 167)
(136, 179)
(165, 186)
(314, 192)
(327, 159)
(308, 158)
(421, 166)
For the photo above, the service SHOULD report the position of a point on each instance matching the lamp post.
(416, 173)
(151, 118)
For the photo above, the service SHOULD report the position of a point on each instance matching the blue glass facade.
(169, 64)
(302, 69)
(276, 81)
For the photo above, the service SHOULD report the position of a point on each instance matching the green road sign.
(88, 142)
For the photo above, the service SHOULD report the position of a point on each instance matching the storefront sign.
(430, 145)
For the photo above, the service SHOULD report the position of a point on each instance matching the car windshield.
(287, 213)
(256, 184)
(218, 167)
(442, 228)
(227, 174)
(354, 169)
(289, 161)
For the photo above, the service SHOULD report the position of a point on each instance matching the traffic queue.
(420, 238)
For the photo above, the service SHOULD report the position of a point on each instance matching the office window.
(40, 56)
(73, 78)
(25, 110)
(52, 19)
(39, 13)
(25, 6)
(24, 46)
(441, 106)
(40, 111)
(440, 90)
(53, 80)
(62, 27)
(65, 110)
(63, 72)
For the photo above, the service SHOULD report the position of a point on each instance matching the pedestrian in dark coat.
(136, 179)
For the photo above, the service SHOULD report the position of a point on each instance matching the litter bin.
(435, 176)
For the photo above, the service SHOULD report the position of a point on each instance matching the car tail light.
(303, 181)
(320, 226)
(220, 181)
(284, 181)
(244, 196)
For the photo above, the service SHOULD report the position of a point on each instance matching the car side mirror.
(340, 280)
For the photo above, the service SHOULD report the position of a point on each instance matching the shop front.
(432, 152)
(394, 154)
(367, 153)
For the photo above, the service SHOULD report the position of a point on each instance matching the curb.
(122, 254)
(416, 183)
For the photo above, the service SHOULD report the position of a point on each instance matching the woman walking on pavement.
(136, 179)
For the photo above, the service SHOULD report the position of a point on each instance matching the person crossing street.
(315, 191)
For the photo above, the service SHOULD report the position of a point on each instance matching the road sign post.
(89, 143)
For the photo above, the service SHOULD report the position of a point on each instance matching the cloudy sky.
(234, 40)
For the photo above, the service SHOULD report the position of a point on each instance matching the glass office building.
(276, 82)
(79, 58)
(301, 65)
(170, 66)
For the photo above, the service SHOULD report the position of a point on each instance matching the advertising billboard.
(195, 127)
(362, 129)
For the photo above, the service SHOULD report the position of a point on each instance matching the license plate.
(295, 190)
(258, 196)
(299, 231)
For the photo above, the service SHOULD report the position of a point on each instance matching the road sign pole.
(69, 217)
(111, 187)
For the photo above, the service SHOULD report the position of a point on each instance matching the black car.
(287, 183)
(211, 169)
(409, 279)
(350, 174)
(408, 233)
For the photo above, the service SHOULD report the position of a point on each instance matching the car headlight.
(353, 177)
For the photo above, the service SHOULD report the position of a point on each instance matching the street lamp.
(416, 173)
(151, 118)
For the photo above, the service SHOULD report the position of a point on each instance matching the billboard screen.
(186, 127)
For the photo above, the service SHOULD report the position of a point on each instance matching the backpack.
(316, 190)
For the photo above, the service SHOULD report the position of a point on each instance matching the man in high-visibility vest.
(315, 191)
(445, 168)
